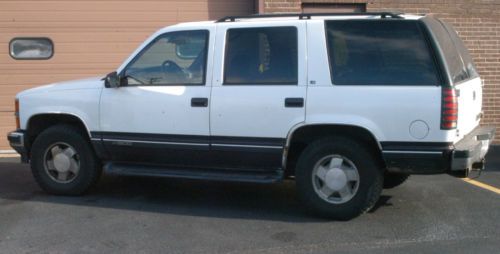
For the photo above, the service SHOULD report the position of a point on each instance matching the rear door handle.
(199, 102)
(294, 102)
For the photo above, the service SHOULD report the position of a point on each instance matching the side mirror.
(112, 80)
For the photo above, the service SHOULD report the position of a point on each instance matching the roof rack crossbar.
(395, 15)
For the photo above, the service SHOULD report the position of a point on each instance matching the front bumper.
(469, 152)
(17, 140)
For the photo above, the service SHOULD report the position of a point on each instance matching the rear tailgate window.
(456, 55)
(467, 61)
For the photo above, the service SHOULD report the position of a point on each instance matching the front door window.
(176, 58)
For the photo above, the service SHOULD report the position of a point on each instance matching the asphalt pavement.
(427, 214)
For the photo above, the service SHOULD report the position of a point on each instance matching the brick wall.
(477, 22)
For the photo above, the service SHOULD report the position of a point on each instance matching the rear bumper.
(17, 140)
(436, 158)
(469, 152)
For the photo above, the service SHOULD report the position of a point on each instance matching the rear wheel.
(392, 180)
(63, 162)
(338, 178)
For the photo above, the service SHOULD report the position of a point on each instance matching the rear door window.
(381, 52)
(261, 56)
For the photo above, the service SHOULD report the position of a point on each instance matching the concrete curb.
(7, 152)
(12, 159)
(9, 157)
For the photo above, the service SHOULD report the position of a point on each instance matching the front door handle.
(294, 102)
(199, 102)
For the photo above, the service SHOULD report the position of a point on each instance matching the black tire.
(369, 170)
(392, 180)
(90, 167)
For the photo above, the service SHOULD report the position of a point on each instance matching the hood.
(87, 83)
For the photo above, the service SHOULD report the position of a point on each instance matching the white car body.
(405, 114)
(344, 104)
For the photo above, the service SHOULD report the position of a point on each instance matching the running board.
(233, 175)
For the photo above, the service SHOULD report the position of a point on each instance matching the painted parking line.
(482, 185)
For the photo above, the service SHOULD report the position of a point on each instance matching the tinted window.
(177, 58)
(379, 53)
(192, 49)
(31, 48)
(261, 56)
(451, 55)
(467, 61)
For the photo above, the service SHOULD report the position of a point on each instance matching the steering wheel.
(169, 66)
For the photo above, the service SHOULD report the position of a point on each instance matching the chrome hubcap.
(62, 162)
(335, 179)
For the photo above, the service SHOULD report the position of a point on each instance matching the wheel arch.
(40, 122)
(301, 135)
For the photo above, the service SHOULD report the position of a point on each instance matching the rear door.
(259, 91)
(462, 73)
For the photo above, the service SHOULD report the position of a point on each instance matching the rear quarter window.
(381, 52)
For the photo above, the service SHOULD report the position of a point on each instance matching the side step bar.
(233, 175)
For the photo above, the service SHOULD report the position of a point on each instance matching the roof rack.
(395, 15)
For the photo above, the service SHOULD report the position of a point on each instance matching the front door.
(259, 92)
(160, 113)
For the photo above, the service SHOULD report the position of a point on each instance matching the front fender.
(83, 104)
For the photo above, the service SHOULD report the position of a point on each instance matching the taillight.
(449, 109)
(16, 113)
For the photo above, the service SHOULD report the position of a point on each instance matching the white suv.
(345, 104)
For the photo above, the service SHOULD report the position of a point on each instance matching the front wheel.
(338, 178)
(63, 161)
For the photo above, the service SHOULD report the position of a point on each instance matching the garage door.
(90, 38)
